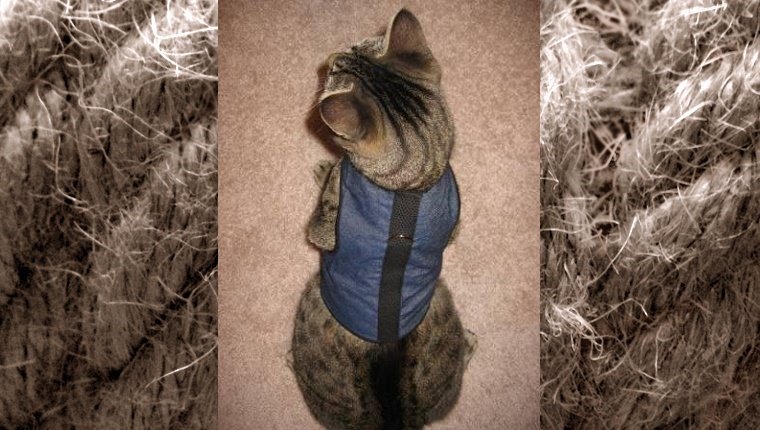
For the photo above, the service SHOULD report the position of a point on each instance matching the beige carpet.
(270, 52)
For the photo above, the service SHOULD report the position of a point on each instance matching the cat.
(383, 103)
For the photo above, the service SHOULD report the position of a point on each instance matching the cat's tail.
(386, 380)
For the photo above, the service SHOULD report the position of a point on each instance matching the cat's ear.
(406, 47)
(347, 115)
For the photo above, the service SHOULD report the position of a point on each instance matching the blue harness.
(380, 279)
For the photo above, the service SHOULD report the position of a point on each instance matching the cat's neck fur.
(415, 164)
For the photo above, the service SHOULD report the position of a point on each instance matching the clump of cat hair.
(650, 196)
(108, 221)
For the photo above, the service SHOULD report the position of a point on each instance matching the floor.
(268, 143)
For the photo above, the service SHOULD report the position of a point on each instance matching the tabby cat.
(383, 102)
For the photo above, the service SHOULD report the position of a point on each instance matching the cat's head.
(383, 102)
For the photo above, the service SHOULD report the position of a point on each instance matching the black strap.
(406, 205)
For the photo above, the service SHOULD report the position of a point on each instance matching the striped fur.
(414, 122)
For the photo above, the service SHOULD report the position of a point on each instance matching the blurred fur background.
(108, 214)
(650, 194)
